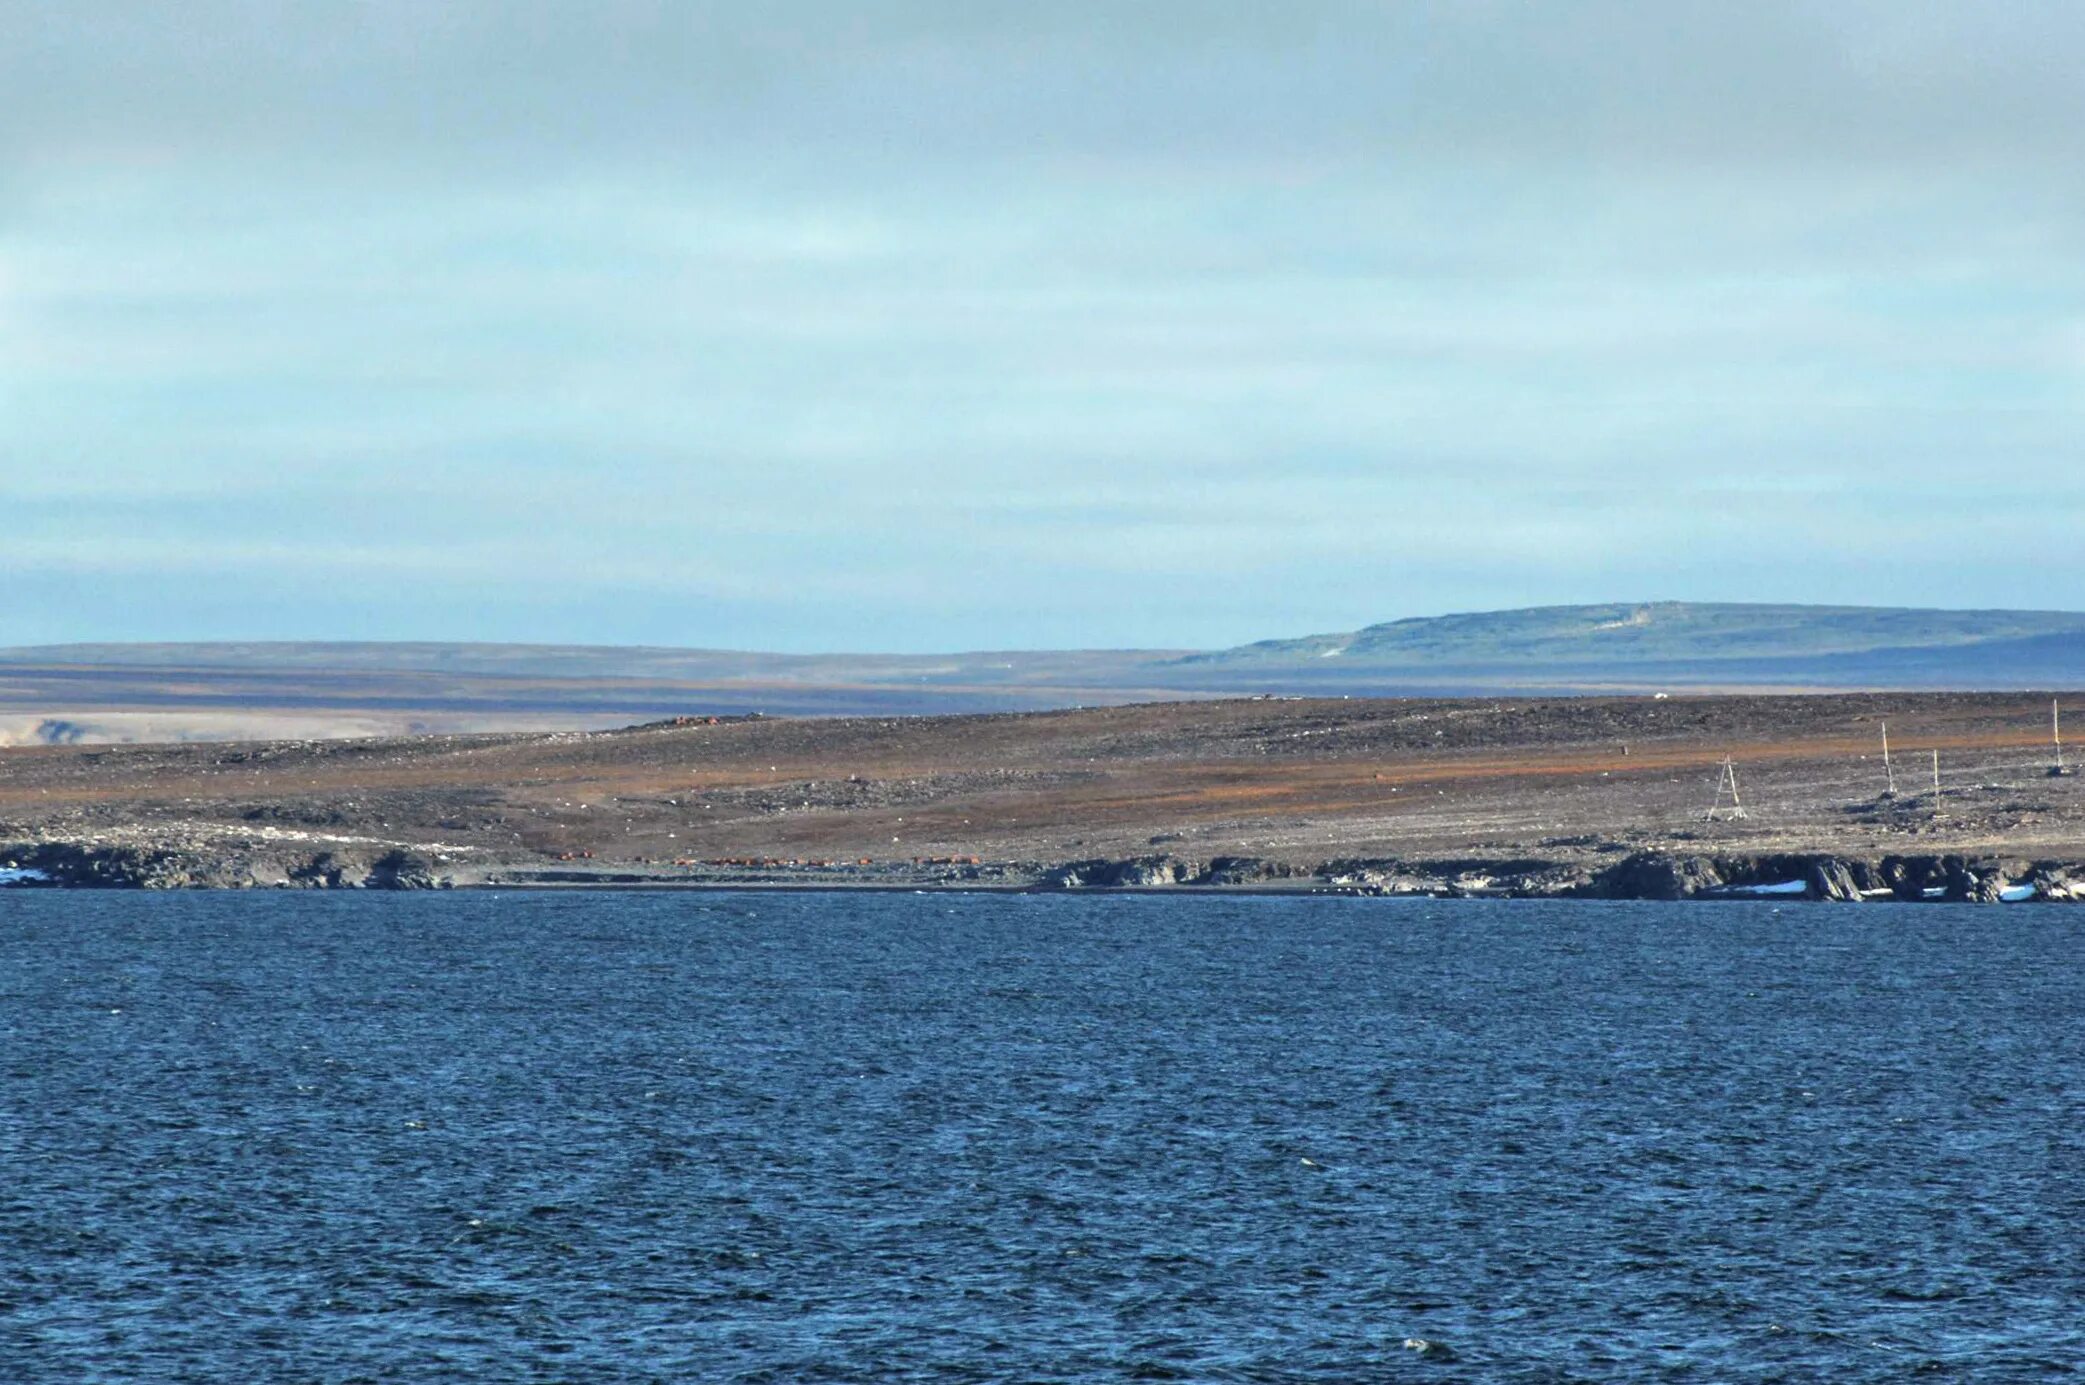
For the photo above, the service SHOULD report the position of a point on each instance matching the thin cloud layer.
(930, 325)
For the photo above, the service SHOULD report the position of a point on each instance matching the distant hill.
(1728, 645)
(90, 692)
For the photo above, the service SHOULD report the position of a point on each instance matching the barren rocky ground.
(1513, 795)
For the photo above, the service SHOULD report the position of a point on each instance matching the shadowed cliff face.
(1951, 879)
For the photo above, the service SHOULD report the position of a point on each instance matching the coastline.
(1647, 876)
(1602, 798)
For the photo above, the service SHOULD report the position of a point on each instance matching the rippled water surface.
(827, 1137)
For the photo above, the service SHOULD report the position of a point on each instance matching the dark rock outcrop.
(1966, 883)
(1138, 872)
(1553, 882)
(404, 870)
(123, 867)
(103, 868)
(1650, 875)
(1245, 870)
(2052, 880)
(1908, 877)
(1832, 879)
(328, 871)
(1986, 885)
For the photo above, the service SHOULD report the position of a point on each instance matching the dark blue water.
(804, 1138)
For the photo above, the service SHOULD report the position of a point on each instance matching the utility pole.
(1887, 773)
(2056, 771)
(1936, 773)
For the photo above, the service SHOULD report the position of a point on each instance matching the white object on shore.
(15, 875)
(2018, 894)
(1780, 888)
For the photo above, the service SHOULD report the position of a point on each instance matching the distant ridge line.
(214, 689)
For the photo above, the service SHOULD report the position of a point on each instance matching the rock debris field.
(1564, 796)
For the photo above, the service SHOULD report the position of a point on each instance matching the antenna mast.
(1887, 773)
(2056, 771)
(1726, 781)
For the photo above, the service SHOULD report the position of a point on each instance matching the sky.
(949, 324)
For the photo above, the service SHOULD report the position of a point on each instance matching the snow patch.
(1779, 888)
(1637, 617)
(2018, 894)
(16, 875)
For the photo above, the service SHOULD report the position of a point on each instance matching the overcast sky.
(934, 324)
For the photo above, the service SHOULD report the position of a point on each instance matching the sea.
(803, 1137)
